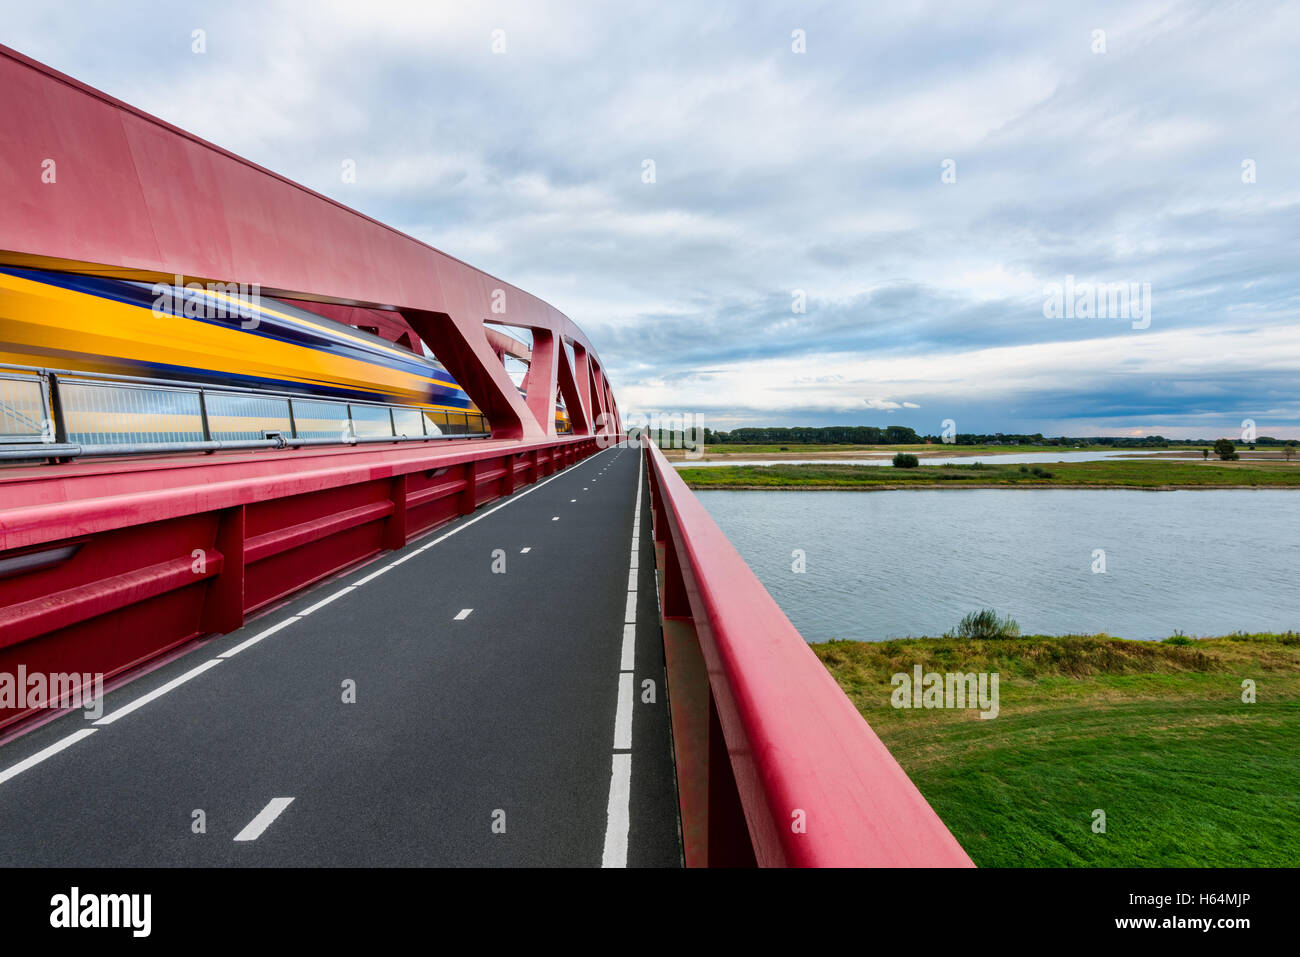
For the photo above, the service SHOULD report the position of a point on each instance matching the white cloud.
(778, 172)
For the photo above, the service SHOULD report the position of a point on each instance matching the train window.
(103, 413)
(233, 416)
(435, 423)
(408, 422)
(314, 419)
(371, 420)
(23, 416)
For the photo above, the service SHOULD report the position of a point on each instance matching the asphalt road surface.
(489, 726)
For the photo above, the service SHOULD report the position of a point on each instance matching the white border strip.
(49, 752)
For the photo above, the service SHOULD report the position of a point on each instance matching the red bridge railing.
(775, 766)
(105, 564)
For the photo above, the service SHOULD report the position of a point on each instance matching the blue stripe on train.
(439, 395)
(270, 327)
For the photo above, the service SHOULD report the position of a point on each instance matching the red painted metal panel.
(795, 742)
(543, 379)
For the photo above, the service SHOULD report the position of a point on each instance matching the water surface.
(913, 562)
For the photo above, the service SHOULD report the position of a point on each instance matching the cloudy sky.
(865, 232)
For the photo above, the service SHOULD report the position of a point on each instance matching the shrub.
(1225, 450)
(906, 460)
(1177, 638)
(987, 624)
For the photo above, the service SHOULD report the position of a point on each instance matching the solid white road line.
(463, 614)
(325, 601)
(140, 702)
(257, 637)
(40, 756)
(623, 715)
(372, 576)
(263, 820)
(617, 818)
(618, 815)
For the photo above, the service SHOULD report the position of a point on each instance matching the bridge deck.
(510, 708)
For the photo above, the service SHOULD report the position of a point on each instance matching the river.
(913, 562)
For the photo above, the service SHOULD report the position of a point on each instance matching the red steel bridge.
(519, 643)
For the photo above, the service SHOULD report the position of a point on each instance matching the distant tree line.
(828, 435)
(901, 435)
(1122, 441)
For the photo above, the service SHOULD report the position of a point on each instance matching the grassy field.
(1154, 734)
(1108, 473)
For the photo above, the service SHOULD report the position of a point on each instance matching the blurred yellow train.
(142, 364)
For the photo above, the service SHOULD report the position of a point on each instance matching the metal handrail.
(59, 448)
(18, 453)
(816, 785)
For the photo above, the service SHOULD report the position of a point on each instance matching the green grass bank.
(1154, 734)
(1108, 473)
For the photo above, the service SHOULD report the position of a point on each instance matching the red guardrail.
(775, 765)
(106, 564)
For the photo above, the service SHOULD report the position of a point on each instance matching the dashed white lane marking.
(525, 550)
(258, 637)
(464, 525)
(463, 614)
(555, 519)
(263, 820)
(143, 700)
(573, 500)
(618, 819)
(631, 579)
(49, 752)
